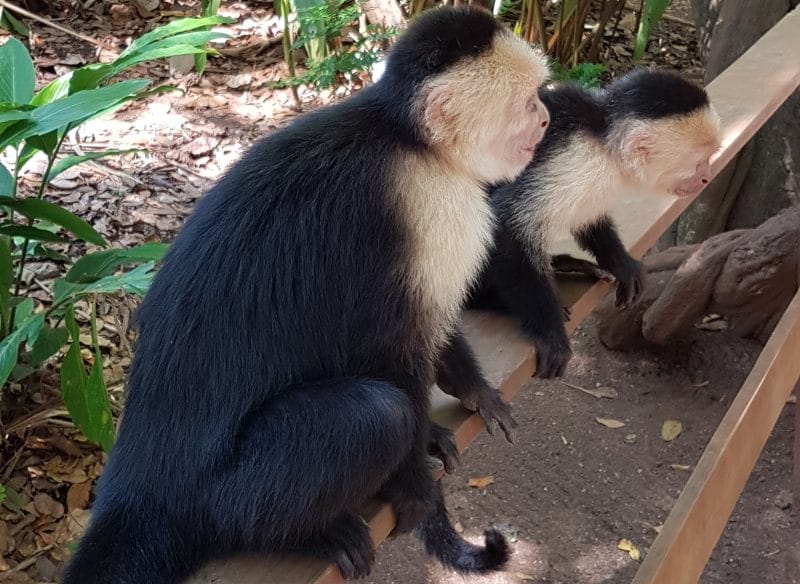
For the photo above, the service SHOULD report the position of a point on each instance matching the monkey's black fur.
(279, 379)
(523, 285)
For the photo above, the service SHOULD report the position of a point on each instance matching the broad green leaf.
(56, 89)
(41, 209)
(173, 28)
(652, 11)
(93, 266)
(184, 43)
(90, 77)
(85, 398)
(6, 182)
(40, 251)
(32, 233)
(70, 161)
(10, 23)
(71, 110)
(9, 347)
(6, 278)
(28, 152)
(47, 344)
(17, 76)
(2, 494)
(47, 143)
(137, 281)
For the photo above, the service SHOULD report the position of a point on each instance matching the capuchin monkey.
(288, 344)
(648, 131)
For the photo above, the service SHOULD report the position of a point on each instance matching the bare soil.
(570, 488)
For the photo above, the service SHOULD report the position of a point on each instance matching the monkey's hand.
(442, 446)
(552, 354)
(630, 282)
(489, 404)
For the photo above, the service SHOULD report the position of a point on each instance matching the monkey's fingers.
(567, 313)
(552, 358)
(499, 413)
(442, 449)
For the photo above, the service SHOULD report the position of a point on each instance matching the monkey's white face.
(487, 117)
(673, 155)
(524, 123)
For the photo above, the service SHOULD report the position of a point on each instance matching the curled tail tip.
(496, 551)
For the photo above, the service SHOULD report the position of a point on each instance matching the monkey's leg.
(567, 263)
(526, 288)
(304, 461)
(459, 374)
(601, 239)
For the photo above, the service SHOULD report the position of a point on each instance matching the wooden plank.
(796, 449)
(680, 552)
(745, 95)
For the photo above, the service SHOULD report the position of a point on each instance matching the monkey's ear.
(438, 114)
(637, 145)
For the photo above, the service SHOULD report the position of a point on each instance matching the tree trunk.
(762, 179)
(386, 13)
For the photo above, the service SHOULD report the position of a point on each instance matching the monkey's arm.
(459, 374)
(601, 239)
(523, 282)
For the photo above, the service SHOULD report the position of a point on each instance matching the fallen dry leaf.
(626, 545)
(630, 438)
(525, 577)
(600, 392)
(610, 423)
(480, 482)
(78, 496)
(683, 467)
(670, 430)
(701, 384)
(46, 505)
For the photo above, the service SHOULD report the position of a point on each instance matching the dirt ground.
(570, 489)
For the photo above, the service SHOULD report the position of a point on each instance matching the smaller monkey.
(649, 131)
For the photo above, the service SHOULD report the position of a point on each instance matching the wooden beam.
(745, 96)
(680, 552)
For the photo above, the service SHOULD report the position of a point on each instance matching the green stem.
(288, 56)
(45, 175)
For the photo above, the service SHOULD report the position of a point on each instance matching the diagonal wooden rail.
(745, 95)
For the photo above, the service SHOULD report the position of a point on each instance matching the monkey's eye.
(531, 105)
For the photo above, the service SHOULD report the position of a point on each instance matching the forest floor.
(570, 488)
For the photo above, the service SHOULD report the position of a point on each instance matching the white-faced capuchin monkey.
(649, 131)
(287, 345)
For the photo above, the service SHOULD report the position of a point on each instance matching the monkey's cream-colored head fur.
(484, 114)
(663, 154)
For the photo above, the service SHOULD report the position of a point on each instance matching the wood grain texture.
(680, 552)
(745, 96)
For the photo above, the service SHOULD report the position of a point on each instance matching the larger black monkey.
(287, 344)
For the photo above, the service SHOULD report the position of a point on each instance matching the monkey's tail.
(119, 547)
(441, 541)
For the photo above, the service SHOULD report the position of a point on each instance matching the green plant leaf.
(652, 11)
(47, 143)
(181, 44)
(47, 344)
(17, 76)
(11, 24)
(6, 182)
(70, 161)
(85, 398)
(2, 494)
(9, 347)
(6, 279)
(56, 89)
(71, 110)
(32, 233)
(93, 266)
(137, 281)
(171, 29)
(41, 209)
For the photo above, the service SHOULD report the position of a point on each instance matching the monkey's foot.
(567, 263)
(630, 282)
(552, 355)
(489, 404)
(567, 313)
(346, 543)
(442, 451)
